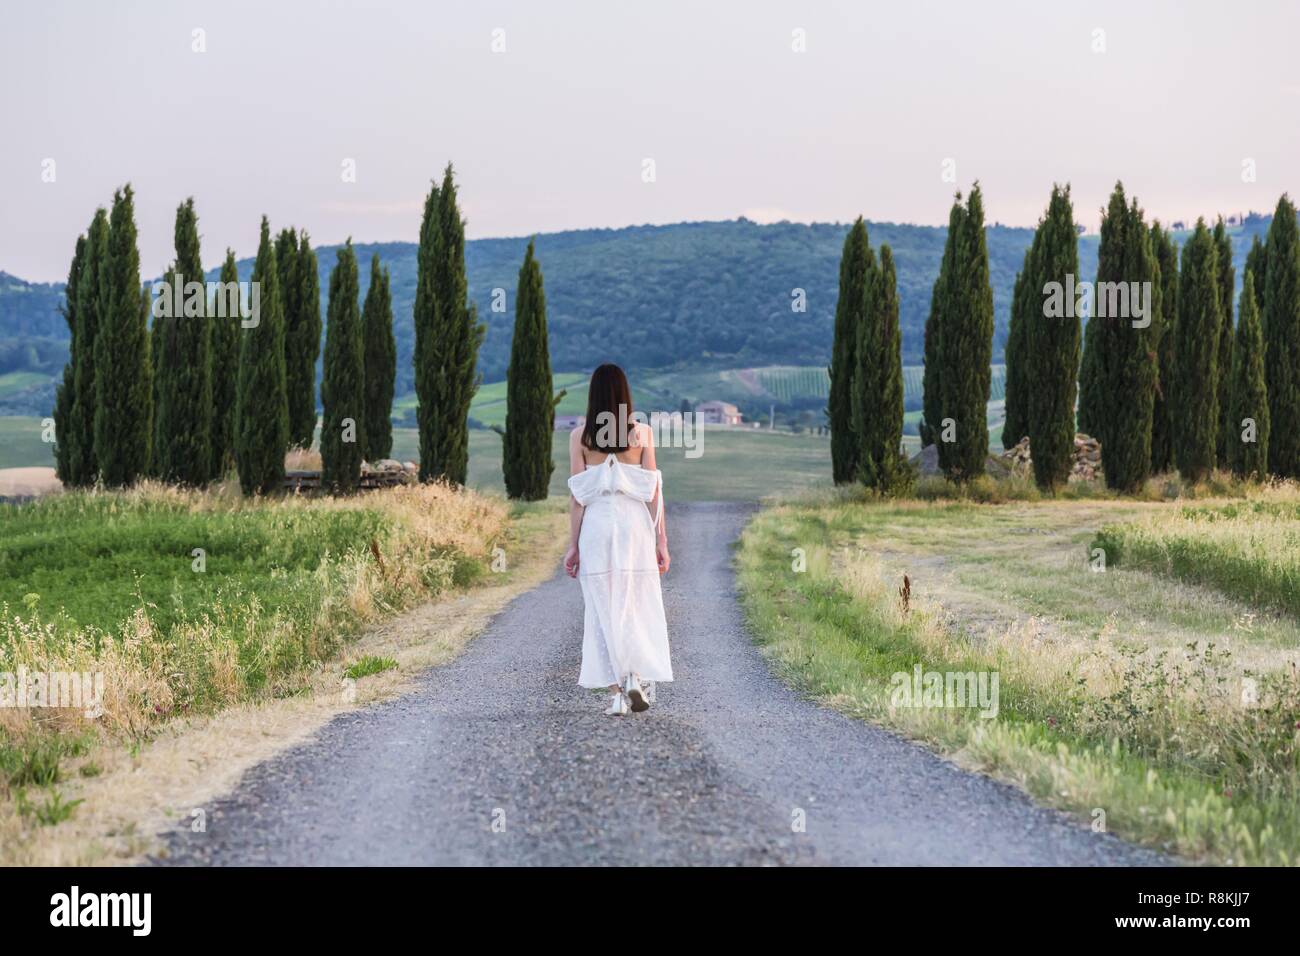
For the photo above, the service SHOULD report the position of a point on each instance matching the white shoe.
(649, 688)
(635, 694)
(617, 706)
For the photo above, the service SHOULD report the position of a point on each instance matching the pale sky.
(552, 133)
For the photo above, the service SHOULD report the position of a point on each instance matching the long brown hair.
(608, 393)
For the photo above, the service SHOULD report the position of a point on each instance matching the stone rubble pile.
(1087, 457)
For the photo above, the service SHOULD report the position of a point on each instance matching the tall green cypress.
(261, 400)
(1091, 400)
(1248, 409)
(1257, 263)
(1051, 345)
(1282, 341)
(1016, 424)
(299, 278)
(967, 349)
(1196, 357)
(940, 299)
(343, 384)
(425, 356)
(1227, 278)
(161, 330)
(183, 416)
(227, 316)
(1162, 414)
(878, 383)
(82, 468)
(286, 267)
(530, 409)
(856, 268)
(63, 398)
(448, 335)
(1125, 360)
(380, 365)
(225, 322)
(123, 368)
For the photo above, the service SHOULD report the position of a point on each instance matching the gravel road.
(500, 758)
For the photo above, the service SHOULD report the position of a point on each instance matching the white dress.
(624, 631)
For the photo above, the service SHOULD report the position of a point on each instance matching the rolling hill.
(687, 297)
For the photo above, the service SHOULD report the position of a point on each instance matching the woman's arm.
(656, 503)
(576, 464)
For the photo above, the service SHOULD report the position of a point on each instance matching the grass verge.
(1160, 745)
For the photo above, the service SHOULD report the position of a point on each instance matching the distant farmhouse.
(567, 423)
(717, 413)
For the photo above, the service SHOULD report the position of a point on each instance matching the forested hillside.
(689, 295)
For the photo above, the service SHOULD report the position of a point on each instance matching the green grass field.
(12, 383)
(217, 596)
(735, 464)
(791, 383)
(1248, 550)
(21, 445)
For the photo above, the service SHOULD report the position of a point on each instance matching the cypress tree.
(940, 297)
(82, 469)
(123, 369)
(380, 365)
(966, 349)
(530, 408)
(1227, 283)
(63, 398)
(261, 400)
(1016, 424)
(225, 370)
(1162, 415)
(1125, 373)
(1196, 357)
(878, 383)
(183, 415)
(299, 278)
(1051, 345)
(343, 385)
(1091, 400)
(448, 335)
(1247, 445)
(1257, 263)
(851, 306)
(425, 356)
(1282, 341)
(160, 343)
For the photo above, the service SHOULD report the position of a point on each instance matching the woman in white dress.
(618, 546)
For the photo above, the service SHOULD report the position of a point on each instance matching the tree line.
(204, 388)
(1160, 374)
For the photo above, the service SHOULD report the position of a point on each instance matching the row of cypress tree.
(1186, 389)
(866, 393)
(185, 399)
(1194, 390)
